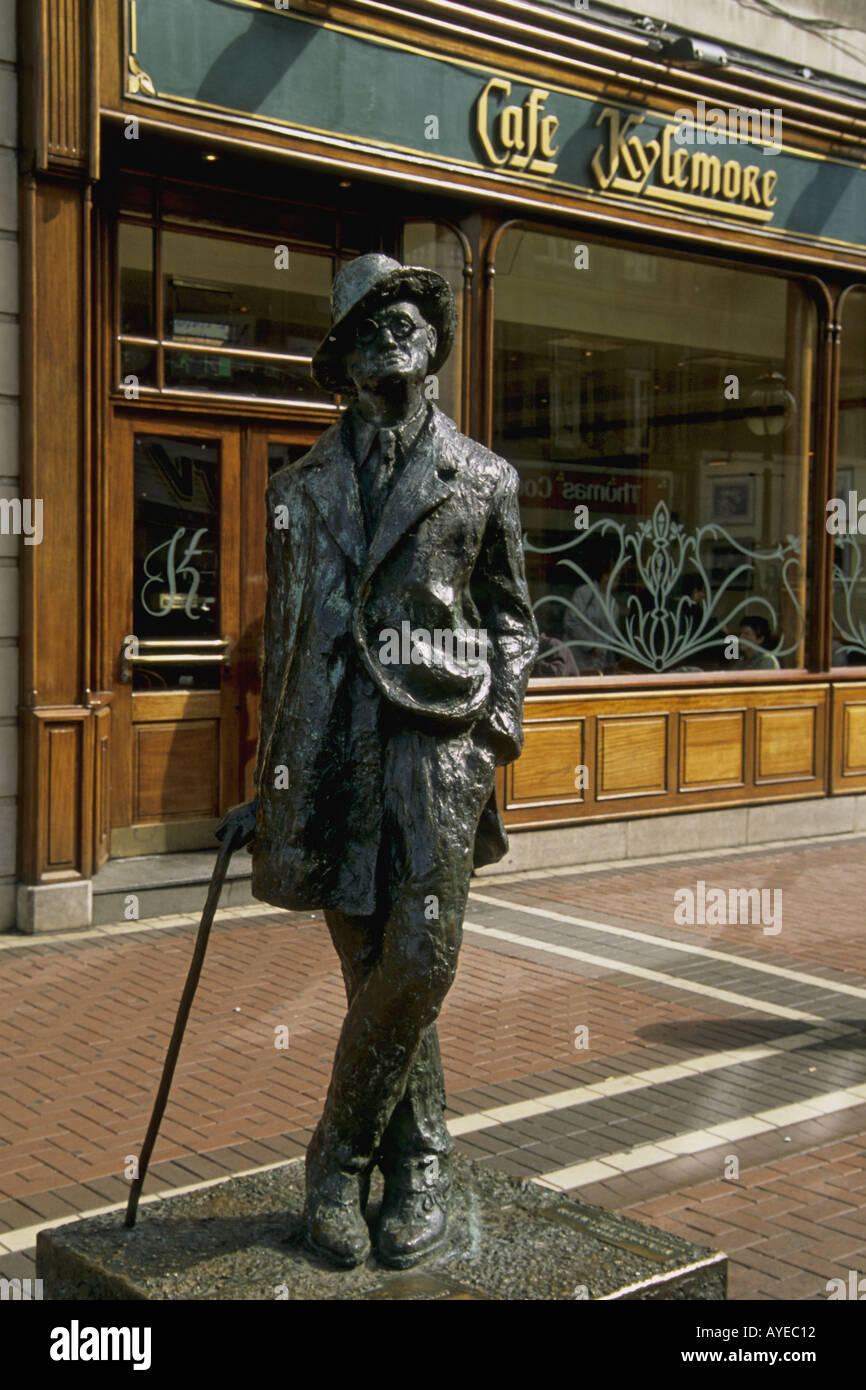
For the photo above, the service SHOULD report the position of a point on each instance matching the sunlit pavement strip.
(686, 947)
(733, 1082)
(615, 1086)
(647, 1155)
(656, 977)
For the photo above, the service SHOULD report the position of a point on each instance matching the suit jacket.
(447, 555)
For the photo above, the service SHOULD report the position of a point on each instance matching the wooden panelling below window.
(678, 749)
(632, 755)
(176, 770)
(550, 764)
(712, 749)
(785, 744)
(854, 739)
(160, 707)
(849, 738)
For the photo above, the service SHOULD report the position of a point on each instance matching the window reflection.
(136, 280)
(237, 318)
(436, 247)
(227, 293)
(280, 455)
(658, 412)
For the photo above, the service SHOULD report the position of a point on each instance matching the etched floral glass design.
(669, 629)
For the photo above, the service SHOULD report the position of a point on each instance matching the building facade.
(657, 241)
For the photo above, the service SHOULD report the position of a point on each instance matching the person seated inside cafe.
(755, 636)
(597, 613)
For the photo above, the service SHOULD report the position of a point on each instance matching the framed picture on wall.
(732, 500)
(732, 493)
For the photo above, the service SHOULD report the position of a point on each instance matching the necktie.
(377, 475)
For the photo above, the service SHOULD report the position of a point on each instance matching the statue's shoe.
(334, 1223)
(336, 1230)
(413, 1223)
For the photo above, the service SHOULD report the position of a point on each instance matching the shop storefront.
(663, 330)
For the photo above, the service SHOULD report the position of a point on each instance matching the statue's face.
(396, 341)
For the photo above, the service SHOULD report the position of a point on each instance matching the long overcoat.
(349, 626)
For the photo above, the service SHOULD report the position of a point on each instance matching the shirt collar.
(364, 434)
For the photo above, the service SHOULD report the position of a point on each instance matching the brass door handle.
(173, 651)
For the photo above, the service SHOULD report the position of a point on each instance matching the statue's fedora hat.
(362, 287)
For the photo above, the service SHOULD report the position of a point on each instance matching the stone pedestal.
(243, 1239)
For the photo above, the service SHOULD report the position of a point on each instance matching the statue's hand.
(239, 823)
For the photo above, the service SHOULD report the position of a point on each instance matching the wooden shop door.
(173, 613)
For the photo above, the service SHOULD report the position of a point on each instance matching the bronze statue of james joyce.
(398, 643)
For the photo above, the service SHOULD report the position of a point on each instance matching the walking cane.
(226, 850)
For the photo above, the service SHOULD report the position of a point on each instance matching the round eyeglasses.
(400, 326)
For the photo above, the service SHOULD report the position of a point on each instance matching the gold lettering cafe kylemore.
(520, 138)
(659, 168)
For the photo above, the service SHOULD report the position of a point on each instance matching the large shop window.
(659, 412)
(846, 513)
(219, 314)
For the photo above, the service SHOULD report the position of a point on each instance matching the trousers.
(386, 1098)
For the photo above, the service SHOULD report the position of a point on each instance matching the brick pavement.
(823, 899)
(84, 1023)
(788, 1226)
(75, 1102)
